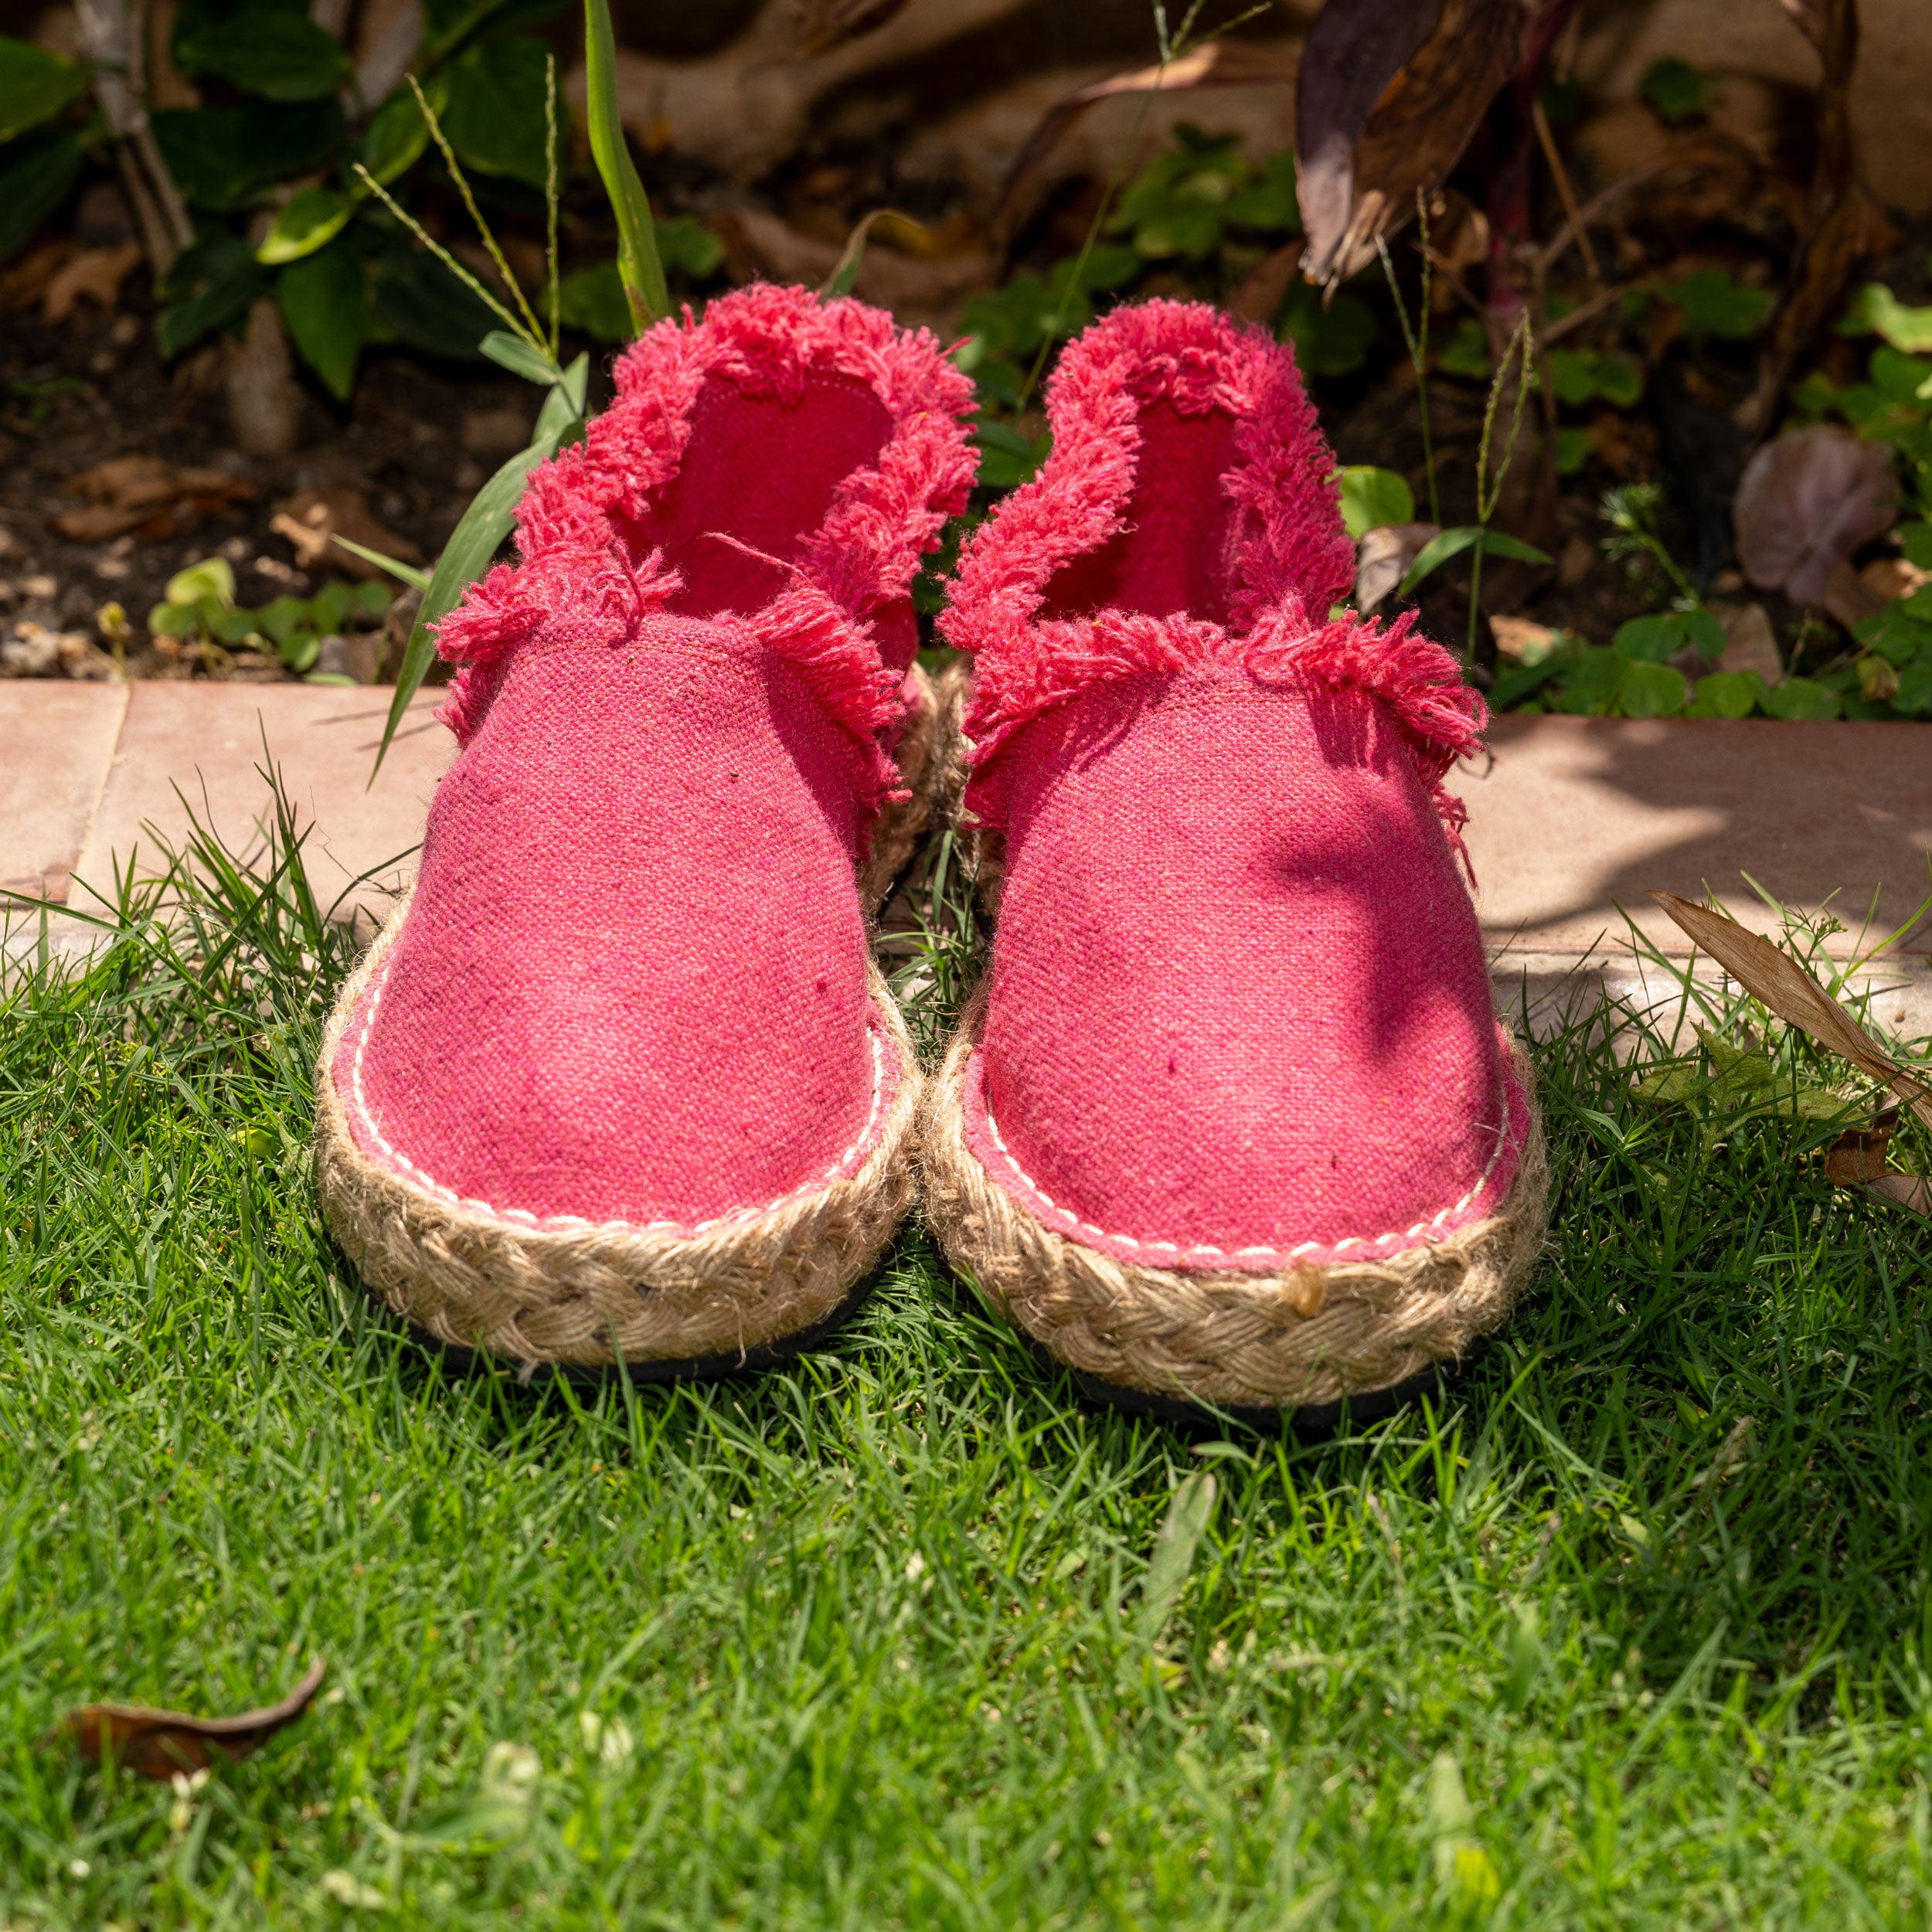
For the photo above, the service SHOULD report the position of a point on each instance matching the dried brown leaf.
(1221, 63)
(158, 1743)
(1911, 1192)
(1390, 93)
(1808, 500)
(1772, 977)
(1859, 1154)
(311, 519)
(1258, 295)
(826, 24)
(96, 273)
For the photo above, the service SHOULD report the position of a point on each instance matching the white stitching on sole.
(1420, 1231)
(573, 1223)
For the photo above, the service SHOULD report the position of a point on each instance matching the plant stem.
(532, 333)
(550, 197)
(437, 249)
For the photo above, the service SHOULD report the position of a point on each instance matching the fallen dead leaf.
(145, 494)
(1892, 577)
(1861, 1154)
(1521, 639)
(25, 281)
(826, 24)
(96, 273)
(1258, 295)
(1221, 63)
(159, 1744)
(311, 519)
(1750, 642)
(1808, 500)
(1383, 559)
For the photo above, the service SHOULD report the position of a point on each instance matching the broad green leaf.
(310, 219)
(1713, 303)
(1917, 539)
(1704, 631)
(1875, 310)
(1371, 498)
(1005, 456)
(1728, 693)
(495, 112)
(1519, 680)
(636, 238)
(1573, 451)
(687, 246)
(280, 55)
(1467, 350)
(1801, 699)
(36, 174)
(217, 280)
(1450, 543)
(1651, 691)
(422, 303)
(397, 133)
(35, 86)
(593, 299)
(1675, 90)
(1268, 202)
(477, 536)
(325, 301)
(520, 359)
(1328, 342)
(1647, 640)
(222, 157)
(1189, 1511)
(213, 577)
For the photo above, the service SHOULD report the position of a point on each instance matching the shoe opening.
(756, 481)
(1175, 553)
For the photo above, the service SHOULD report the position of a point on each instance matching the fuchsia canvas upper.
(632, 985)
(1239, 1015)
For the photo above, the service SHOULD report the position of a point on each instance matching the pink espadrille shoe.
(1232, 1119)
(620, 1081)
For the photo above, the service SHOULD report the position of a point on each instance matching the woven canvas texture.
(1239, 1015)
(1238, 1000)
(632, 986)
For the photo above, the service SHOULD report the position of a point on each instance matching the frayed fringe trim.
(575, 583)
(1441, 718)
(1291, 548)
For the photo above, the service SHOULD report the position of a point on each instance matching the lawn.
(1630, 1625)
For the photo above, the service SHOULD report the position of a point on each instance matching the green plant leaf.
(686, 246)
(1651, 691)
(1371, 498)
(1189, 1511)
(1647, 640)
(490, 517)
(495, 113)
(309, 220)
(221, 157)
(397, 135)
(593, 299)
(1727, 694)
(36, 174)
(419, 302)
(1875, 310)
(218, 279)
(637, 262)
(35, 86)
(1450, 543)
(1801, 699)
(1005, 456)
(212, 578)
(1675, 90)
(403, 572)
(520, 359)
(1333, 341)
(1574, 448)
(1466, 351)
(281, 55)
(1917, 541)
(325, 301)
(1713, 303)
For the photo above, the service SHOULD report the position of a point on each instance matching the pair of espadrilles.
(1231, 1120)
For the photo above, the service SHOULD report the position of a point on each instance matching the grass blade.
(637, 261)
(1188, 1514)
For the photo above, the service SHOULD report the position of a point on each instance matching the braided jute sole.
(743, 1291)
(1358, 1334)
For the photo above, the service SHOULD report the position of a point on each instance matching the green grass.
(1632, 1626)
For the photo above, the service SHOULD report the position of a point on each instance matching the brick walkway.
(1569, 825)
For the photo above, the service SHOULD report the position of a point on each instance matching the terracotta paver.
(211, 741)
(55, 741)
(1573, 820)
(1577, 817)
